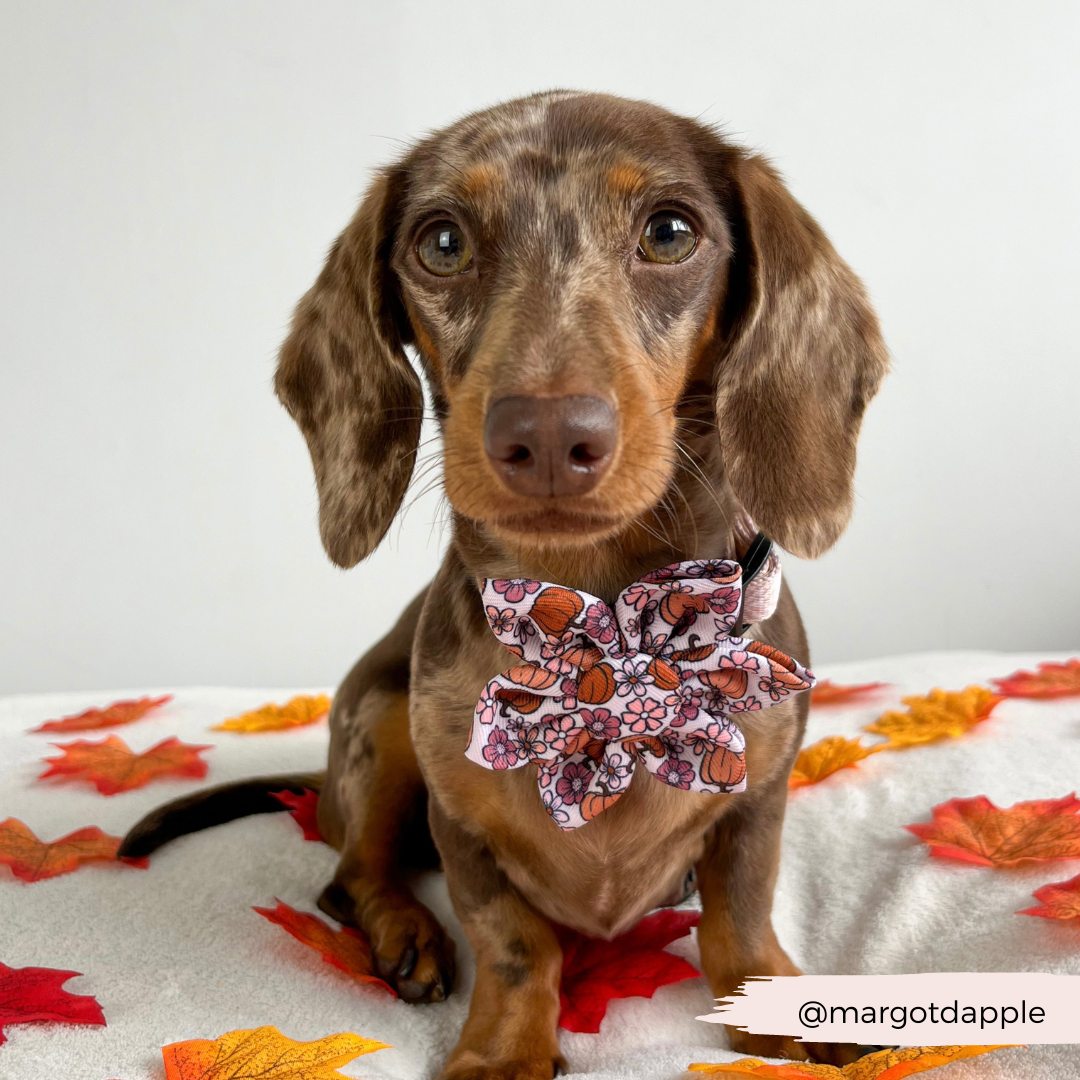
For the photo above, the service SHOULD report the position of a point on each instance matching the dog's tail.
(213, 806)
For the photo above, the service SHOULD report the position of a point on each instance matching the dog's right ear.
(345, 379)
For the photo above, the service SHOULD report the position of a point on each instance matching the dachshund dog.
(640, 350)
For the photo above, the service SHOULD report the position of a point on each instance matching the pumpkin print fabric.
(657, 680)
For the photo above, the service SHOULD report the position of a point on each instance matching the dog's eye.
(667, 238)
(443, 249)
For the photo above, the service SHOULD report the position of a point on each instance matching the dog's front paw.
(467, 1067)
(784, 1046)
(413, 953)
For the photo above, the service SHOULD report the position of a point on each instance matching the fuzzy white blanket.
(176, 953)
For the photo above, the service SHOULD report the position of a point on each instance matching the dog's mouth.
(551, 472)
(550, 522)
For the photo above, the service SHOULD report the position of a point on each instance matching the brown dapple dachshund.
(636, 342)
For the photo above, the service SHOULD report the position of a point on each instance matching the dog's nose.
(543, 446)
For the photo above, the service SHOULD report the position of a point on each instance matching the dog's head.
(608, 301)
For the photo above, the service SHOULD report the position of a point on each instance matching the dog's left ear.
(346, 381)
(801, 356)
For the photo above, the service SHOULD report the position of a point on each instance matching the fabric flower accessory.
(655, 680)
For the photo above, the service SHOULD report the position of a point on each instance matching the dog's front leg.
(736, 879)
(510, 1033)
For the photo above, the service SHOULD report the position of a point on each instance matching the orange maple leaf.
(1061, 900)
(111, 767)
(297, 712)
(1050, 681)
(977, 831)
(346, 949)
(942, 714)
(882, 1065)
(264, 1054)
(826, 692)
(825, 757)
(32, 859)
(119, 712)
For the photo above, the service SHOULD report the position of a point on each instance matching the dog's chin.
(554, 526)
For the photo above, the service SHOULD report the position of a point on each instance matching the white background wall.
(172, 174)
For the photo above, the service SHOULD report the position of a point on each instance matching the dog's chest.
(601, 878)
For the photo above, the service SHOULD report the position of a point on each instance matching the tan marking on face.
(483, 180)
(423, 340)
(625, 180)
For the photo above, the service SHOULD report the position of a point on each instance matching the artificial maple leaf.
(977, 831)
(1050, 681)
(882, 1065)
(634, 964)
(942, 714)
(264, 1054)
(1061, 900)
(303, 809)
(346, 949)
(119, 712)
(297, 712)
(825, 757)
(826, 692)
(32, 859)
(111, 767)
(31, 994)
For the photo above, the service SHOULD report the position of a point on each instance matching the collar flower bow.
(656, 680)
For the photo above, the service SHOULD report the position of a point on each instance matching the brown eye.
(443, 249)
(667, 238)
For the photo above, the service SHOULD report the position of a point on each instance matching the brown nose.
(543, 446)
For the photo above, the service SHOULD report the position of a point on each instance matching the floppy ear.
(344, 378)
(802, 357)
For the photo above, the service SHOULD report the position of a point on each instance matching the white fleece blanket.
(176, 953)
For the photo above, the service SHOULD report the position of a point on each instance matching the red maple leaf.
(303, 809)
(1050, 681)
(346, 949)
(111, 767)
(634, 964)
(119, 712)
(1060, 900)
(975, 830)
(30, 994)
(32, 859)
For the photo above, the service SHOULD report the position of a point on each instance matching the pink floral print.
(645, 717)
(633, 677)
(500, 621)
(678, 774)
(600, 724)
(499, 753)
(572, 786)
(595, 691)
(600, 623)
(516, 589)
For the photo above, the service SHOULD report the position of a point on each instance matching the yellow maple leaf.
(942, 714)
(883, 1065)
(263, 1054)
(299, 712)
(756, 1069)
(827, 756)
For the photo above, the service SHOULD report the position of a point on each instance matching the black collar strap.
(759, 550)
(756, 556)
